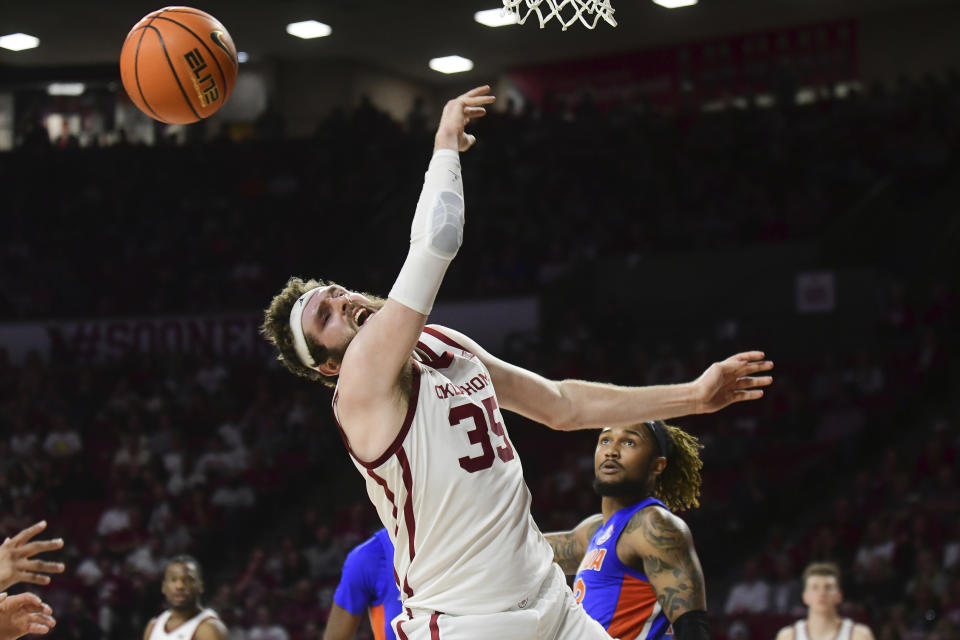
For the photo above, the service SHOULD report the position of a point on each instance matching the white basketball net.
(567, 12)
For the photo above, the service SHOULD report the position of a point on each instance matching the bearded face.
(626, 462)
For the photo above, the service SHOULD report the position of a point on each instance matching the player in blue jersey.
(636, 568)
(367, 584)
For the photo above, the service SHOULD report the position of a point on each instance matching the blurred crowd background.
(852, 457)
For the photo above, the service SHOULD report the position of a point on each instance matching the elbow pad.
(435, 235)
(692, 626)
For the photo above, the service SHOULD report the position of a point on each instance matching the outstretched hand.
(16, 553)
(732, 380)
(22, 614)
(457, 113)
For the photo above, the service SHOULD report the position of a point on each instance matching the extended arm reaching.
(374, 364)
(437, 229)
(577, 404)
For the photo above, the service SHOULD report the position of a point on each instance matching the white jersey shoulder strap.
(846, 630)
(157, 633)
(800, 630)
(185, 631)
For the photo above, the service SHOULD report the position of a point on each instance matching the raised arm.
(374, 363)
(577, 404)
(570, 546)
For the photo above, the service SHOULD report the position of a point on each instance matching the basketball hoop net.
(567, 12)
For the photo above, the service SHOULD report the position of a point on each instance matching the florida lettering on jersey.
(593, 561)
(450, 491)
(615, 595)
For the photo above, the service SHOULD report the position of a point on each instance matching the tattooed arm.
(660, 544)
(569, 546)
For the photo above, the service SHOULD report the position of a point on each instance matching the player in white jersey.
(822, 595)
(186, 619)
(419, 413)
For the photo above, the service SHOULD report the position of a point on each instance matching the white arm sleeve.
(435, 235)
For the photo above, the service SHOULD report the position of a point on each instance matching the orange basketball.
(178, 65)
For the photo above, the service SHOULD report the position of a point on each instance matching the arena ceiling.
(400, 36)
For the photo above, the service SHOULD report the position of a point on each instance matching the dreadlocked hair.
(276, 329)
(678, 486)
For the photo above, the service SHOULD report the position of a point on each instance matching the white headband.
(296, 328)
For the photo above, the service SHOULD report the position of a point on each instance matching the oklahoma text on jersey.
(450, 492)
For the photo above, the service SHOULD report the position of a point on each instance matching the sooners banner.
(228, 336)
(736, 65)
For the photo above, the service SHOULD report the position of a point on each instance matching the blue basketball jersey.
(613, 594)
(368, 584)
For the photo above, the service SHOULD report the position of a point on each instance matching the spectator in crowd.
(23, 441)
(265, 629)
(117, 517)
(951, 550)
(749, 595)
(786, 589)
(877, 543)
(146, 559)
(63, 441)
(324, 554)
(90, 570)
(78, 623)
(132, 455)
(301, 607)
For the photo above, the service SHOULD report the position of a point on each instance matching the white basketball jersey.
(185, 631)
(450, 492)
(845, 632)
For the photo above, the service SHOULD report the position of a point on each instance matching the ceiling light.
(675, 4)
(309, 29)
(18, 42)
(451, 64)
(65, 88)
(242, 57)
(496, 17)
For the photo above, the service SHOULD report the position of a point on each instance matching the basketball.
(178, 65)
